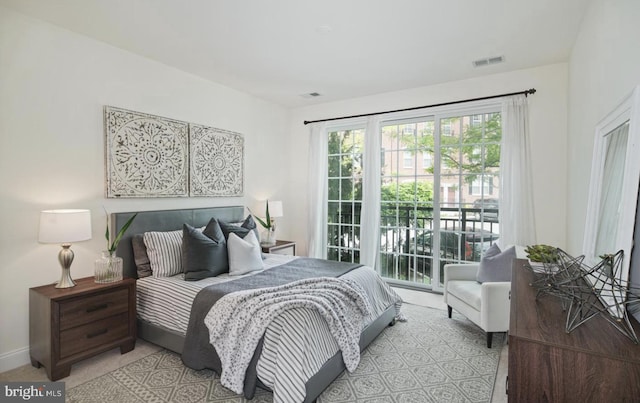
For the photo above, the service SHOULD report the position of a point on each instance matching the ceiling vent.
(311, 95)
(488, 61)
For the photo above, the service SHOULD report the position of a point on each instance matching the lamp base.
(65, 257)
(65, 280)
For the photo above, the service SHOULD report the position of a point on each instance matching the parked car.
(480, 240)
(454, 246)
(489, 209)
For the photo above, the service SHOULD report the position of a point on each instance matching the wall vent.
(488, 61)
(311, 95)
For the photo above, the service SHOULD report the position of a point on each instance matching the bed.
(174, 339)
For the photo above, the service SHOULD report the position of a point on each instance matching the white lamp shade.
(64, 226)
(275, 209)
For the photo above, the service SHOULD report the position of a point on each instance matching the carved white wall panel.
(216, 162)
(146, 155)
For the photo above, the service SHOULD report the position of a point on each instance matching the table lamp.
(64, 227)
(275, 211)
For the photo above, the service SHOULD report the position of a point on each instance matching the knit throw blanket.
(238, 320)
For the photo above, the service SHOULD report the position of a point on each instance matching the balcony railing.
(407, 238)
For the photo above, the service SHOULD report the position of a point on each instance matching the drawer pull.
(98, 333)
(97, 308)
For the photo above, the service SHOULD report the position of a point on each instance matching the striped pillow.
(165, 252)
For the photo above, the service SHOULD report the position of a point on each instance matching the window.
(481, 186)
(344, 194)
(429, 215)
(408, 130)
(426, 131)
(427, 160)
(406, 199)
(407, 160)
(446, 127)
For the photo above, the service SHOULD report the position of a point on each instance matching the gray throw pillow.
(496, 265)
(204, 254)
(242, 230)
(140, 257)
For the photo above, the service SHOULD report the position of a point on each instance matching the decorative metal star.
(586, 292)
(556, 278)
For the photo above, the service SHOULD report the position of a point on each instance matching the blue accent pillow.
(495, 265)
(204, 253)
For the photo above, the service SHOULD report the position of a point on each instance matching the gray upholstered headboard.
(165, 220)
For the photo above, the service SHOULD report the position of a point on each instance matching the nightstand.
(67, 325)
(281, 248)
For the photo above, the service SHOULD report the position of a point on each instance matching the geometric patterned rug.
(429, 358)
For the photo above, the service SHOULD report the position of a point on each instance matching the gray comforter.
(198, 353)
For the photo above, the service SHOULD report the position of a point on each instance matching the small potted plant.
(269, 225)
(108, 268)
(542, 257)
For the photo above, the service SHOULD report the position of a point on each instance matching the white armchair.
(487, 304)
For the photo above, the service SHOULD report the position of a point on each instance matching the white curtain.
(317, 192)
(517, 218)
(370, 213)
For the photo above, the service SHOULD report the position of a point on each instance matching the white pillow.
(244, 254)
(165, 252)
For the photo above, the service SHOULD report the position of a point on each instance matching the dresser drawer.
(94, 334)
(84, 310)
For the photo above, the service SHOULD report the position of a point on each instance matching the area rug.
(429, 358)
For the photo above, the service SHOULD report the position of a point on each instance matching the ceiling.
(279, 50)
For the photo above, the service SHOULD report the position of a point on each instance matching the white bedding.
(237, 321)
(166, 301)
(289, 356)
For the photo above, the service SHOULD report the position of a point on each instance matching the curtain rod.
(527, 92)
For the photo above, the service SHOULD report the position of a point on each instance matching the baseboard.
(14, 359)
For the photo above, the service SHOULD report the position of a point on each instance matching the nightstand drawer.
(280, 248)
(94, 334)
(84, 310)
(288, 250)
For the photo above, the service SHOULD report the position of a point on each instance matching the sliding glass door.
(439, 193)
(440, 186)
(344, 194)
(407, 199)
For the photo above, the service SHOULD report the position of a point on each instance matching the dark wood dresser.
(70, 324)
(593, 363)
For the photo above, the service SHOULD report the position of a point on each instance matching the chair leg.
(449, 310)
(489, 339)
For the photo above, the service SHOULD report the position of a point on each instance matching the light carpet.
(429, 358)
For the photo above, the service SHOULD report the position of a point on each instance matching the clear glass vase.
(269, 237)
(108, 268)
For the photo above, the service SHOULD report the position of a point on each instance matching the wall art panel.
(146, 155)
(216, 162)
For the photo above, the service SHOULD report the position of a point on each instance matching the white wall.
(53, 85)
(603, 69)
(548, 124)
